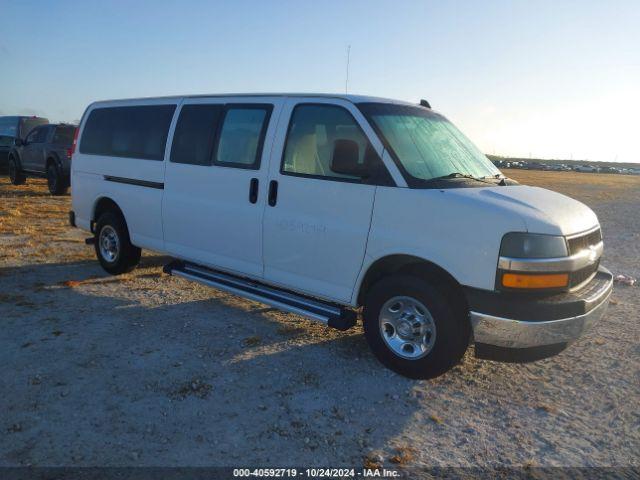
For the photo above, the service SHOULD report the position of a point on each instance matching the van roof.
(347, 97)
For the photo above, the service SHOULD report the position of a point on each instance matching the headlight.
(532, 245)
(531, 248)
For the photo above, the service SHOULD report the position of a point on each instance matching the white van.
(322, 204)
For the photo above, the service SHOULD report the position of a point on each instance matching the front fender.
(453, 231)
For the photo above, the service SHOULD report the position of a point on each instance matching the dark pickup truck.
(45, 152)
(13, 128)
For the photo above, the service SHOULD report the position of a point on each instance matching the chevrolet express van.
(323, 205)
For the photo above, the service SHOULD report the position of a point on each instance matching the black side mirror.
(345, 160)
(19, 142)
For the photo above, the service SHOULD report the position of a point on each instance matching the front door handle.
(273, 193)
(253, 190)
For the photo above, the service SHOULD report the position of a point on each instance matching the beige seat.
(305, 156)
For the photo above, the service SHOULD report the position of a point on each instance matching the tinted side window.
(242, 135)
(64, 135)
(9, 126)
(195, 133)
(132, 132)
(313, 131)
(28, 124)
(33, 135)
(42, 135)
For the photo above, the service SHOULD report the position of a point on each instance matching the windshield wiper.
(460, 175)
(503, 179)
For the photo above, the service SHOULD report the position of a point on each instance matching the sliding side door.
(216, 181)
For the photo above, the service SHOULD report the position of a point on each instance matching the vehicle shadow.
(34, 187)
(154, 370)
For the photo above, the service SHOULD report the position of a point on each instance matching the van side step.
(333, 315)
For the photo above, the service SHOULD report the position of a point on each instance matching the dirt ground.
(146, 369)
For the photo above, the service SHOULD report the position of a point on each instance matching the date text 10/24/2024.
(315, 473)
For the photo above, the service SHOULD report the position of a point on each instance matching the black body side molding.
(133, 181)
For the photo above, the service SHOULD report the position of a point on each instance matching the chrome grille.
(582, 275)
(582, 242)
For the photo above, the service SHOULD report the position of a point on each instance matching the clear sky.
(551, 79)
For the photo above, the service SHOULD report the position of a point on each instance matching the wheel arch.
(411, 265)
(13, 153)
(102, 205)
(52, 158)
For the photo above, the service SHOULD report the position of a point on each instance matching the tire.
(16, 176)
(57, 184)
(113, 247)
(423, 352)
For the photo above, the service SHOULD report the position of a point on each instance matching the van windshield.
(427, 145)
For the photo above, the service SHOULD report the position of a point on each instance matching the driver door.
(33, 148)
(316, 222)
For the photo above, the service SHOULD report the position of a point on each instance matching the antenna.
(346, 82)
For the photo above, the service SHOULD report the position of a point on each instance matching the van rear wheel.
(113, 247)
(16, 177)
(413, 328)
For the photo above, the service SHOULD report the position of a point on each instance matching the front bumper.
(521, 328)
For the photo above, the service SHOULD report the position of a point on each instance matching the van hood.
(541, 210)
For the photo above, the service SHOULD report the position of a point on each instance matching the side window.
(313, 133)
(34, 135)
(8, 126)
(242, 135)
(195, 133)
(43, 134)
(131, 132)
(63, 135)
(26, 124)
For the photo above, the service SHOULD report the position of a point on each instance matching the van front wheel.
(412, 327)
(113, 247)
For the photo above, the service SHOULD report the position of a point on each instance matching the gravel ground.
(147, 369)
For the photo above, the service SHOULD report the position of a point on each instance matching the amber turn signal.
(523, 280)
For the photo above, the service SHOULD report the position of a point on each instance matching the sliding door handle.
(273, 193)
(253, 190)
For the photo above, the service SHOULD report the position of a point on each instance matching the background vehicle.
(45, 152)
(12, 128)
(586, 169)
(320, 204)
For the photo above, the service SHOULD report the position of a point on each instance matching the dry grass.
(34, 224)
(436, 419)
(404, 455)
(583, 186)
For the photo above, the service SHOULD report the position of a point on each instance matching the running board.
(332, 315)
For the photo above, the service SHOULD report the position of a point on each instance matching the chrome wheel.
(407, 327)
(109, 243)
